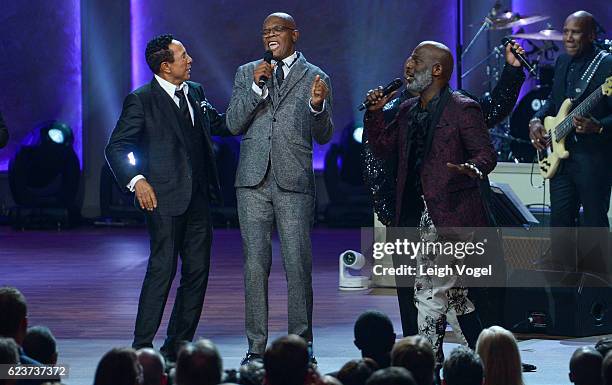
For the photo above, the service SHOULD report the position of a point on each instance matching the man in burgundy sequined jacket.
(442, 147)
(459, 146)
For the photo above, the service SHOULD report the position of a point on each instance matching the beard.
(422, 80)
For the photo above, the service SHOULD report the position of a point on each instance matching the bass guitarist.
(584, 178)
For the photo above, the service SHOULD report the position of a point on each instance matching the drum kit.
(511, 137)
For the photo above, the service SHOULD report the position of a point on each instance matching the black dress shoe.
(528, 367)
(250, 357)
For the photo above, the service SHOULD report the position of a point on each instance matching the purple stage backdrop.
(40, 62)
(360, 44)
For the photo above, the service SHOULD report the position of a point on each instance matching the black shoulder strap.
(587, 76)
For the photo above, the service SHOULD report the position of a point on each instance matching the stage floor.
(84, 285)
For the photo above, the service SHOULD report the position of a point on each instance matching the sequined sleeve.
(380, 174)
(504, 96)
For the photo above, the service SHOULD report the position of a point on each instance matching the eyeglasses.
(276, 30)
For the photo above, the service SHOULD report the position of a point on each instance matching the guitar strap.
(587, 76)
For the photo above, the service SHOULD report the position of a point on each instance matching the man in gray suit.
(278, 107)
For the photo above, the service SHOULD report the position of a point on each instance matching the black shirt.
(576, 68)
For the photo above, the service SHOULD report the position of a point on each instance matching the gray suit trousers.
(258, 208)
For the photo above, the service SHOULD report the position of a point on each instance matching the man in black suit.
(167, 124)
(583, 178)
(4, 136)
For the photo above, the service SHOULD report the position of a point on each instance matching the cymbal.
(510, 20)
(545, 34)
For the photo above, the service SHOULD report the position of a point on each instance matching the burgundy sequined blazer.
(453, 199)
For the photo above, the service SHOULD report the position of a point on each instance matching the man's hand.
(537, 134)
(510, 58)
(318, 93)
(145, 195)
(586, 126)
(464, 169)
(377, 100)
(263, 69)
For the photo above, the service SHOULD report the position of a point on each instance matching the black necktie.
(183, 106)
(280, 74)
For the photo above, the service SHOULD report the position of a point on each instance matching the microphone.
(394, 85)
(263, 78)
(522, 58)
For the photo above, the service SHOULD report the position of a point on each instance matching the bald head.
(279, 34)
(153, 366)
(287, 18)
(585, 366)
(586, 19)
(438, 53)
(579, 32)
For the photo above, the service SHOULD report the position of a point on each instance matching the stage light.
(44, 177)
(56, 135)
(350, 204)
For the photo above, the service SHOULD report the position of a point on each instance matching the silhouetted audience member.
(153, 366)
(375, 337)
(119, 366)
(14, 324)
(39, 344)
(585, 366)
(604, 345)
(463, 367)
(286, 361)
(357, 372)
(415, 354)
(253, 372)
(606, 369)
(9, 355)
(392, 376)
(199, 363)
(500, 357)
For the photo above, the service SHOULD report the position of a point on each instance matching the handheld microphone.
(263, 78)
(394, 85)
(522, 58)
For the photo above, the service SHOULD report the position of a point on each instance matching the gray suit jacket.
(278, 130)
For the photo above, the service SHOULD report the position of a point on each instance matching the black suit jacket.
(589, 143)
(149, 127)
(4, 136)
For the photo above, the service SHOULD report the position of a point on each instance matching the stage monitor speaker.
(574, 305)
(508, 209)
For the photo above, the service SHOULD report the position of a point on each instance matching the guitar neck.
(567, 125)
